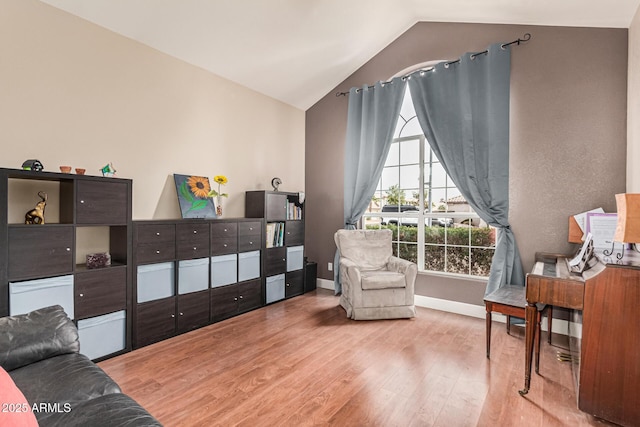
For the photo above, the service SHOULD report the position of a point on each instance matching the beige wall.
(74, 93)
(568, 133)
(633, 106)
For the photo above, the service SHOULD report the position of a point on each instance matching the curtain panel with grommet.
(372, 116)
(463, 109)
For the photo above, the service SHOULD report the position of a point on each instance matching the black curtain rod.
(525, 38)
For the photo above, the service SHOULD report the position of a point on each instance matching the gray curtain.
(463, 109)
(372, 117)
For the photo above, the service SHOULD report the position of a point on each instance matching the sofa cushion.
(67, 379)
(31, 337)
(112, 410)
(381, 279)
(15, 410)
(368, 249)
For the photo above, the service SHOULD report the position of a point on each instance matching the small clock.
(275, 182)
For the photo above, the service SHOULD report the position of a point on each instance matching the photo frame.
(193, 199)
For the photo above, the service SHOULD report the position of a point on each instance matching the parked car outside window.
(413, 222)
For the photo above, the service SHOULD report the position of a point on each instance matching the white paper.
(581, 218)
(602, 227)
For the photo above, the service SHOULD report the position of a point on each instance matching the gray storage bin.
(224, 270)
(102, 335)
(248, 265)
(34, 294)
(193, 275)
(295, 258)
(275, 288)
(155, 281)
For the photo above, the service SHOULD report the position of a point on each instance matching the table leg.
(530, 326)
(488, 328)
(549, 319)
(537, 340)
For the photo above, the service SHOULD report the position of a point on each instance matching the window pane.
(485, 236)
(458, 260)
(406, 110)
(410, 152)
(390, 177)
(393, 158)
(434, 199)
(372, 222)
(411, 128)
(434, 258)
(438, 176)
(410, 177)
(481, 261)
(433, 235)
(408, 251)
(458, 236)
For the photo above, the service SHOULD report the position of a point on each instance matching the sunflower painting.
(193, 196)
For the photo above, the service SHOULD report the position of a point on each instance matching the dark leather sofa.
(40, 351)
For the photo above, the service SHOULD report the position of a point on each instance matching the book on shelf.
(281, 234)
(275, 234)
(270, 230)
(294, 211)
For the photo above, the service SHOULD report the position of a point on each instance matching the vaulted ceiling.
(296, 51)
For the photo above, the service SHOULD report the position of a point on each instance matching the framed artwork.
(193, 196)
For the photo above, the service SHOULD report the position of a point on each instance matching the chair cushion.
(382, 279)
(368, 249)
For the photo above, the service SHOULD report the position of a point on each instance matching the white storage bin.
(34, 294)
(193, 275)
(224, 270)
(275, 288)
(155, 281)
(248, 265)
(295, 258)
(102, 335)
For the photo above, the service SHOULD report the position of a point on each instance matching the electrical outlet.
(330, 266)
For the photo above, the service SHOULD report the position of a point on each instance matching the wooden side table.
(510, 300)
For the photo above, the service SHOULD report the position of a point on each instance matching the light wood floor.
(301, 362)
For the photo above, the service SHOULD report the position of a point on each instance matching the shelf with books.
(284, 241)
(274, 234)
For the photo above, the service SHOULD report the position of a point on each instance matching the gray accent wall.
(568, 134)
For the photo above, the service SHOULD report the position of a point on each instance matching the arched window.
(432, 223)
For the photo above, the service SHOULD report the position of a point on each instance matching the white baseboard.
(559, 326)
(325, 284)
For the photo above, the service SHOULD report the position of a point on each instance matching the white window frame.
(421, 217)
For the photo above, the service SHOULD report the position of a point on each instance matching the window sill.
(480, 280)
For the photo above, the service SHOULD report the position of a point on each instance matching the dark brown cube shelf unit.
(33, 256)
(191, 272)
(283, 241)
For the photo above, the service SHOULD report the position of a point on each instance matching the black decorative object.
(36, 215)
(275, 183)
(32, 165)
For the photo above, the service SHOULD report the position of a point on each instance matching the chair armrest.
(400, 265)
(35, 336)
(351, 269)
(410, 271)
(351, 279)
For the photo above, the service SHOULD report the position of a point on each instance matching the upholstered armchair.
(375, 284)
